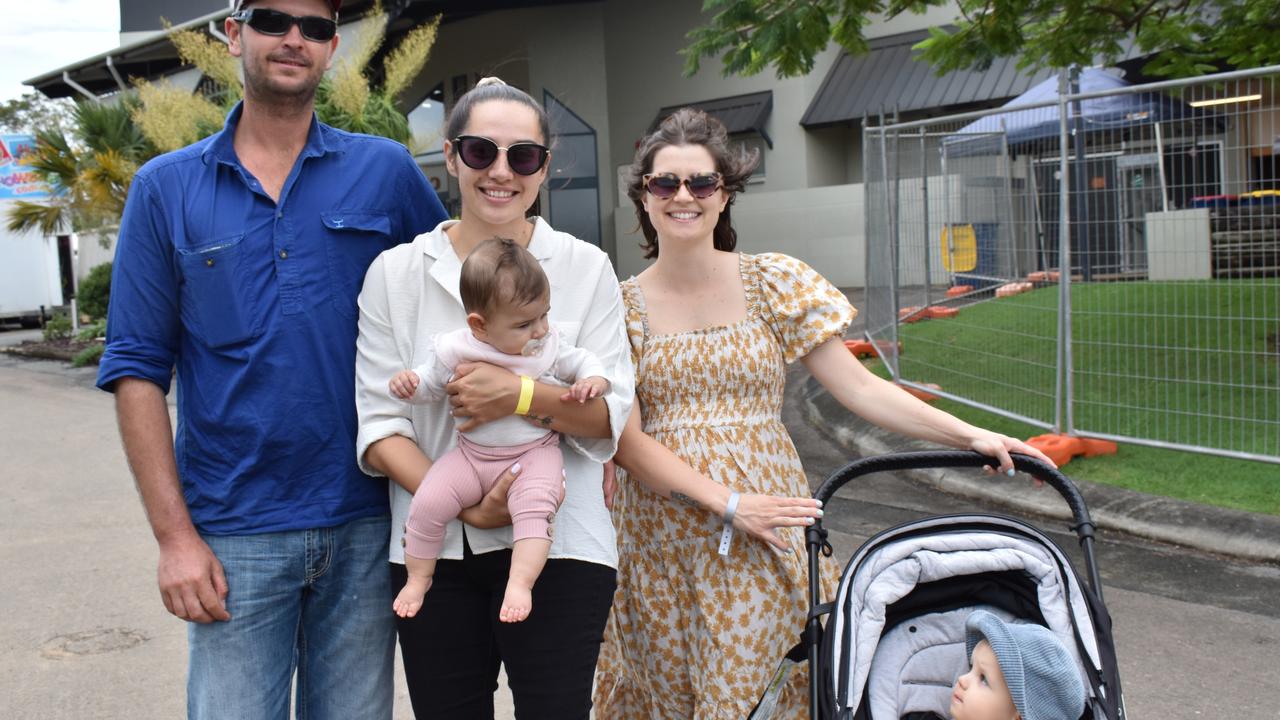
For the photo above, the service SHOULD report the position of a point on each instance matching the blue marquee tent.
(1112, 112)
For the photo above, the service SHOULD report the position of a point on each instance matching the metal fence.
(1094, 258)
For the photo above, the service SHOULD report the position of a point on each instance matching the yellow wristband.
(526, 395)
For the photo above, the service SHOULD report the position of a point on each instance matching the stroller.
(894, 642)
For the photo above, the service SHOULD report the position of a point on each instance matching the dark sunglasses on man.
(274, 22)
(478, 153)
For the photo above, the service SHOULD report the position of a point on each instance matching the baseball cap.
(335, 4)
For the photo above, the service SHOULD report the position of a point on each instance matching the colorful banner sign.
(16, 179)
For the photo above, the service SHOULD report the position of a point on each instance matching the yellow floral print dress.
(694, 634)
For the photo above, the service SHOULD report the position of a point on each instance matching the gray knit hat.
(1042, 678)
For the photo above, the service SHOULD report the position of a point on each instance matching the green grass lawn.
(1182, 362)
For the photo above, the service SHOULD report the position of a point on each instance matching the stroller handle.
(959, 458)
(816, 534)
(1083, 525)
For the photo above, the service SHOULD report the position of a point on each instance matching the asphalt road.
(84, 635)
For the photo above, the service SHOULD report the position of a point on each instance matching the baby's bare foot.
(409, 601)
(516, 604)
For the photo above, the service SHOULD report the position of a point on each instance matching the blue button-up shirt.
(253, 302)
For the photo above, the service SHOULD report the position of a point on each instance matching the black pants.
(453, 647)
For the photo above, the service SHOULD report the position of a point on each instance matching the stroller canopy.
(897, 626)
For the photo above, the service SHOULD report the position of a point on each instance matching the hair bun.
(491, 80)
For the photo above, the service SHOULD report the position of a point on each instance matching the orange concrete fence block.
(866, 348)
(910, 314)
(1062, 448)
(924, 395)
(915, 313)
(958, 290)
(1015, 288)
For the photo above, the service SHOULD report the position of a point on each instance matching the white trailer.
(30, 274)
(34, 269)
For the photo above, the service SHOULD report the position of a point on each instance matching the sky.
(37, 37)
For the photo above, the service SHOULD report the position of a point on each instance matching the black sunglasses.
(274, 22)
(478, 153)
(666, 185)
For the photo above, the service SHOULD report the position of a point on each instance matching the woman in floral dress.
(697, 628)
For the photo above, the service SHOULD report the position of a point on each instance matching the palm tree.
(88, 170)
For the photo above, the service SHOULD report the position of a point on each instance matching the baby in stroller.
(1016, 670)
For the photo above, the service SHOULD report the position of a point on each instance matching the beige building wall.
(616, 63)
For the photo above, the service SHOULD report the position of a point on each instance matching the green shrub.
(91, 332)
(88, 355)
(95, 291)
(57, 328)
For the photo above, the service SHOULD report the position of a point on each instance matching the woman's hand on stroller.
(761, 515)
(999, 446)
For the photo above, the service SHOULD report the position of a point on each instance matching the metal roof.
(891, 77)
(155, 56)
(107, 72)
(739, 113)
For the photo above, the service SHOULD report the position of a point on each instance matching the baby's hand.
(588, 388)
(404, 384)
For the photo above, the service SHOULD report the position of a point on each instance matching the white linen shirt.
(411, 294)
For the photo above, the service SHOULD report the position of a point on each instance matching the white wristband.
(730, 509)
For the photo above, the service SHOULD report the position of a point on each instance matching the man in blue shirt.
(239, 262)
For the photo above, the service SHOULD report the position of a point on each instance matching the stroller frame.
(818, 547)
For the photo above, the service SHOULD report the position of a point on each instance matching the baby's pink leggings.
(462, 476)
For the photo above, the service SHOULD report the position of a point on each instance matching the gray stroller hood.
(896, 632)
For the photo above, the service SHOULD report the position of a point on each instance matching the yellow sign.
(959, 248)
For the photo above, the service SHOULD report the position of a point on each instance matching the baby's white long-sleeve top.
(554, 361)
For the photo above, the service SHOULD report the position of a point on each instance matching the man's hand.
(492, 510)
(482, 393)
(192, 584)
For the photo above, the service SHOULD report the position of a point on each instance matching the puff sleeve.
(803, 308)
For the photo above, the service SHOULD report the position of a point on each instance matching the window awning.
(891, 77)
(739, 113)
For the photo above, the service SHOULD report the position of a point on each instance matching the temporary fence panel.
(1122, 284)
(881, 302)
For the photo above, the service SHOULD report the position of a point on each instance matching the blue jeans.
(318, 601)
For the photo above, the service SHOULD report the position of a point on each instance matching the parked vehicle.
(36, 271)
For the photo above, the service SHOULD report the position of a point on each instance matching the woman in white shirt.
(452, 649)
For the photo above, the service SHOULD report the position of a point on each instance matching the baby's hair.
(499, 271)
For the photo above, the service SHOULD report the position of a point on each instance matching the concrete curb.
(1243, 535)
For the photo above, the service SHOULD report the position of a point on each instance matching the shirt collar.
(437, 244)
(321, 139)
(447, 267)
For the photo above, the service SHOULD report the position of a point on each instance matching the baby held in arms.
(507, 297)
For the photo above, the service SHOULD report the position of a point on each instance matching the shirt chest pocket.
(353, 238)
(218, 305)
